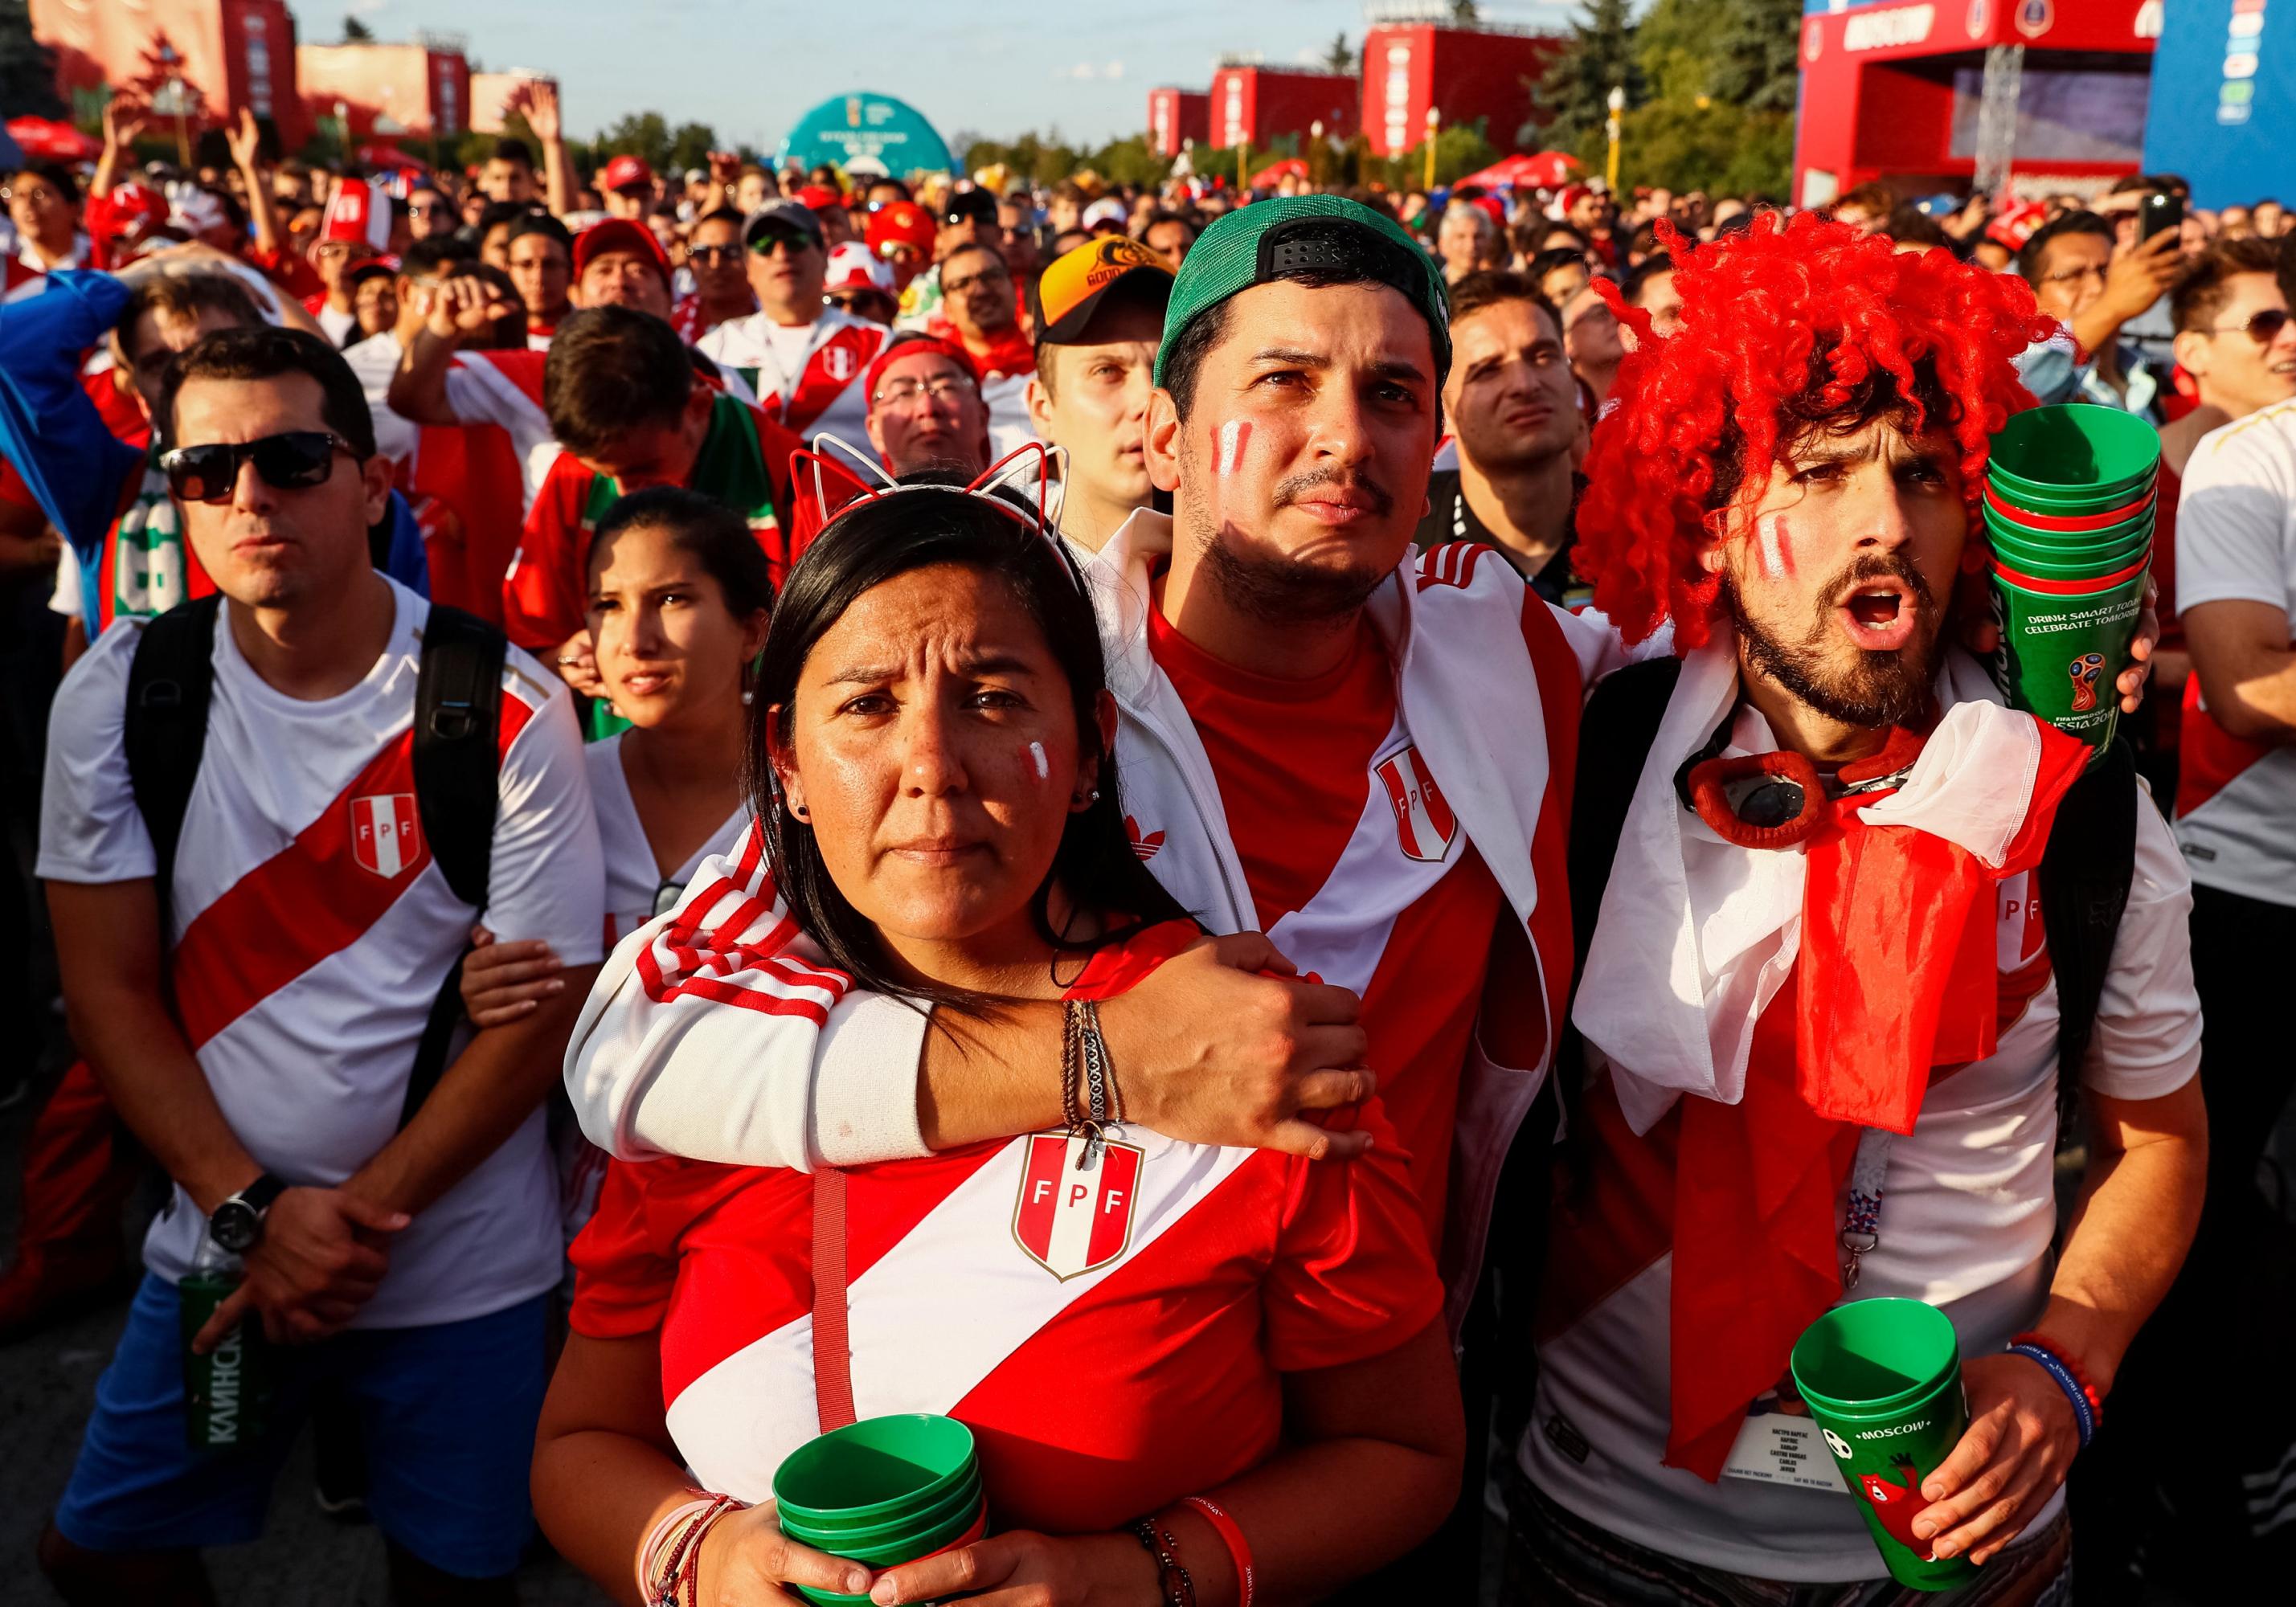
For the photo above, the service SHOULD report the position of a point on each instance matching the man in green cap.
(1323, 736)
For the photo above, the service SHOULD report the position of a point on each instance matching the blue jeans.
(447, 1415)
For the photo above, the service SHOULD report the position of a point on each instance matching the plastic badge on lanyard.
(1778, 1443)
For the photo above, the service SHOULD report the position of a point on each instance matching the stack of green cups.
(2069, 507)
(1883, 1380)
(882, 1491)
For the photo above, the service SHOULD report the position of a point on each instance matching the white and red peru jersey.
(311, 929)
(806, 376)
(1478, 760)
(1114, 1334)
(2236, 542)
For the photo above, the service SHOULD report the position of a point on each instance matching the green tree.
(1465, 11)
(690, 146)
(1685, 145)
(1674, 45)
(1461, 149)
(356, 32)
(1758, 54)
(1574, 93)
(27, 67)
(1130, 162)
(1341, 56)
(641, 134)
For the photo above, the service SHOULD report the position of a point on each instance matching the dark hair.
(515, 151)
(1488, 287)
(2201, 295)
(265, 353)
(972, 247)
(540, 222)
(1543, 264)
(1910, 225)
(2036, 249)
(54, 172)
(1650, 267)
(721, 214)
(1158, 218)
(1825, 407)
(702, 525)
(612, 369)
(878, 539)
(1872, 196)
(496, 213)
(434, 255)
(186, 296)
(1208, 328)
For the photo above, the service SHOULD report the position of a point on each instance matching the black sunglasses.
(766, 241)
(294, 460)
(2263, 328)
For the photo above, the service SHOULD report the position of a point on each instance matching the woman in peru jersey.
(1124, 1323)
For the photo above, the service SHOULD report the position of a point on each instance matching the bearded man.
(1821, 1018)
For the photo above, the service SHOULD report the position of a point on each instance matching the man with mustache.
(1360, 753)
(1818, 965)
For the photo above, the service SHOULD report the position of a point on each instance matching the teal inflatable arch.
(867, 131)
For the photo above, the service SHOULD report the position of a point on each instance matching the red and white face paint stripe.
(1229, 442)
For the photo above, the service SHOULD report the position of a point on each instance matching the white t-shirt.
(1967, 1213)
(806, 377)
(375, 360)
(2236, 542)
(633, 876)
(310, 930)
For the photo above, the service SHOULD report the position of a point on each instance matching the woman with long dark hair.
(1192, 1373)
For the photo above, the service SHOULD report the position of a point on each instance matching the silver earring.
(749, 698)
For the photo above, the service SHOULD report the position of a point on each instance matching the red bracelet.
(1239, 1549)
(2064, 1359)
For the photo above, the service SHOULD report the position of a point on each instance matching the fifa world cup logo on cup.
(2085, 671)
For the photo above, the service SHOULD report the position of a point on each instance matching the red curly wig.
(1784, 327)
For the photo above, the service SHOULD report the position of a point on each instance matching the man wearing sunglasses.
(429, 211)
(721, 289)
(802, 358)
(406, 1256)
(2235, 339)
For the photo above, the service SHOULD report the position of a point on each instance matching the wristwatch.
(237, 1224)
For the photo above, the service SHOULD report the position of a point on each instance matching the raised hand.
(123, 122)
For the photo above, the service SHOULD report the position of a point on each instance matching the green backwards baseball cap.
(1272, 239)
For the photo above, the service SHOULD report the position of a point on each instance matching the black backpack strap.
(2084, 880)
(170, 682)
(457, 783)
(1616, 734)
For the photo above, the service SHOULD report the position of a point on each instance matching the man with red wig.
(1820, 1019)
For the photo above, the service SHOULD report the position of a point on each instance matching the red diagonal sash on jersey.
(307, 902)
(835, 364)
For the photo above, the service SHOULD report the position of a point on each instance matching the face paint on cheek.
(1777, 556)
(1044, 766)
(1229, 441)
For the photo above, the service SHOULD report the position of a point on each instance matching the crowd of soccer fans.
(1323, 858)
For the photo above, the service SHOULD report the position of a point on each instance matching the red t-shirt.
(1115, 1337)
(1336, 820)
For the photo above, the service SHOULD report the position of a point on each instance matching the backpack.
(457, 723)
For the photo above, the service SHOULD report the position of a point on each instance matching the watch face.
(235, 1225)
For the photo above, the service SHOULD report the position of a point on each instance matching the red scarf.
(1896, 977)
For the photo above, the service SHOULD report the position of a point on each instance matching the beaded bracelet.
(678, 1580)
(2089, 1409)
(652, 1543)
(1172, 1580)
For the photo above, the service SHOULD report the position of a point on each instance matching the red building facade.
(1176, 117)
(233, 53)
(1892, 90)
(421, 90)
(1250, 104)
(1462, 74)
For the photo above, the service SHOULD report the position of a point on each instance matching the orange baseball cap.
(1072, 289)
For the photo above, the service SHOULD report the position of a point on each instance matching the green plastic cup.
(1882, 1379)
(879, 1470)
(2070, 563)
(2064, 545)
(960, 1502)
(972, 1527)
(2051, 458)
(2068, 504)
(2034, 520)
(882, 1491)
(2063, 644)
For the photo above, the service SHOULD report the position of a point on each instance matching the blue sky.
(996, 68)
